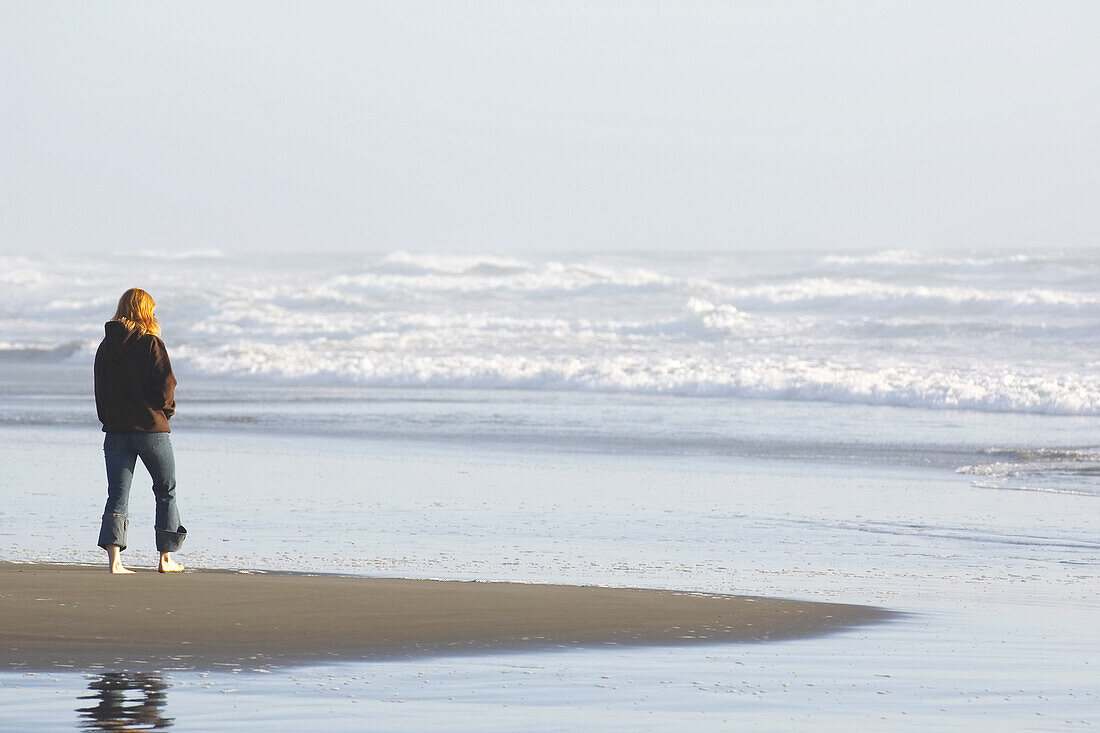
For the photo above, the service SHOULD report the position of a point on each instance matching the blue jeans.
(121, 451)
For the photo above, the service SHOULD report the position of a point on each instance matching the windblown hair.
(135, 311)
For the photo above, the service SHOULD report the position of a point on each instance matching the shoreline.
(82, 617)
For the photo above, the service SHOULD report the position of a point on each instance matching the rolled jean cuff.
(170, 541)
(112, 531)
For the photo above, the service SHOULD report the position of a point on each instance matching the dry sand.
(63, 615)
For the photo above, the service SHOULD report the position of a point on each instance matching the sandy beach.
(68, 615)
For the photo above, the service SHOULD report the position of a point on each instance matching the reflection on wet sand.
(127, 701)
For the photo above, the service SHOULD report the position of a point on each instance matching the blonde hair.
(135, 311)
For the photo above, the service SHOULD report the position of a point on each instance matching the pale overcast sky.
(515, 127)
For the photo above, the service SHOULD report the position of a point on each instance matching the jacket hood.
(118, 339)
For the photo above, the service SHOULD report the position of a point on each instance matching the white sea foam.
(394, 359)
(20, 271)
(1053, 470)
(552, 277)
(859, 293)
(1021, 339)
(909, 258)
(418, 264)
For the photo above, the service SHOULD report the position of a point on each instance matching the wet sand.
(61, 616)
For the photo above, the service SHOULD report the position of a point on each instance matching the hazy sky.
(529, 126)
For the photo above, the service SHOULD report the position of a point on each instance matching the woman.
(135, 397)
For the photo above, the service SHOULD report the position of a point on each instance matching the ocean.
(988, 363)
(918, 431)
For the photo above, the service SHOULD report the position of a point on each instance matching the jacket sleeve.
(100, 398)
(163, 380)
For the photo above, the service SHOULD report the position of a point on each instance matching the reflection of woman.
(119, 710)
(135, 397)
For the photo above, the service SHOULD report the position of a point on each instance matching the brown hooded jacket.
(134, 384)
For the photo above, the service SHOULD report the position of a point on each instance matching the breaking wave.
(882, 329)
(1051, 470)
(863, 294)
(393, 360)
(10, 352)
(405, 263)
(909, 258)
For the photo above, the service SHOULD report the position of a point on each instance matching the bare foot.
(114, 561)
(168, 565)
